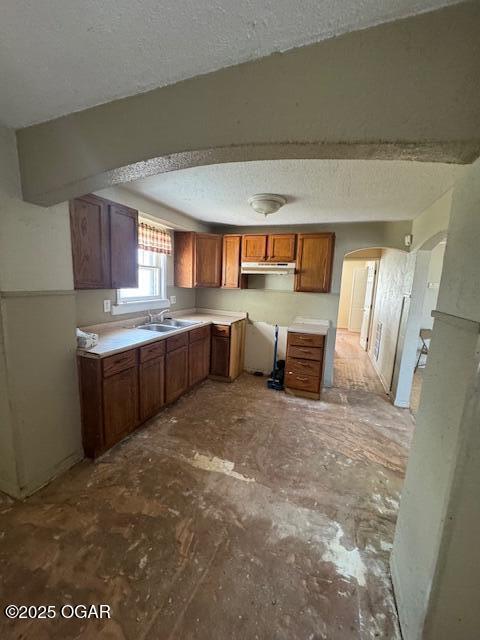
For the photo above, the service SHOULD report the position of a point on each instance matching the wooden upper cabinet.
(123, 246)
(231, 278)
(197, 259)
(314, 262)
(281, 247)
(208, 260)
(254, 248)
(90, 242)
(104, 243)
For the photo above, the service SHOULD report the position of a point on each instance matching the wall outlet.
(173, 299)
(107, 306)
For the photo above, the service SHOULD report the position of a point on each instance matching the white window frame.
(145, 303)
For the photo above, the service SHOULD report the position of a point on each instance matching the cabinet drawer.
(175, 342)
(303, 367)
(119, 362)
(151, 351)
(199, 334)
(305, 383)
(221, 330)
(305, 353)
(305, 339)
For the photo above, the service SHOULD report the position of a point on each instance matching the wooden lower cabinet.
(220, 362)
(304, 364)
(228, 348)
(120, 392)
(198, 360)
(120, 405)
(176, 374)
(151, 387)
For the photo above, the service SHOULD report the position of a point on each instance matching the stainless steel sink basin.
(171, 322)
(161, 328)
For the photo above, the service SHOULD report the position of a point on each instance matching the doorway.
(352, 366)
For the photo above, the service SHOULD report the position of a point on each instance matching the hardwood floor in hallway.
(352, 366)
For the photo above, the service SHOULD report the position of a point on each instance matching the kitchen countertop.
(309, 325)
(115, 337)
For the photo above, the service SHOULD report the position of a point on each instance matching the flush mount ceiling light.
(266, 203)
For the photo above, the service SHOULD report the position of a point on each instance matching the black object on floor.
(278, 372)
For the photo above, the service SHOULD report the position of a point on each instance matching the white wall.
(387, 311)
(433, 285)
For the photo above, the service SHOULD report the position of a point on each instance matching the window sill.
(133, 307)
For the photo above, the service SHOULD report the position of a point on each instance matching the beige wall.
(384, 92)
(388, 311)
(433, 283)
(345, 298)
(436, 557)
(41, 417)
(434, 220)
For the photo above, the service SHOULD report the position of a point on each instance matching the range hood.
(277, 268)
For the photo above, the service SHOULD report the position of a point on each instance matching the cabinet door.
(152, 387)
(231, 278)
(208, 260)
(314, 262)
(220, 359)
(120, 405)
(198, 360)
(254, 248)
(281, 247)
(183, 250)
(123, 246)
(90, 243)
(176, 373)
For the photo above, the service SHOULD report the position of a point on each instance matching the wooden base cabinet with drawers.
(120, 392)
(304, 364)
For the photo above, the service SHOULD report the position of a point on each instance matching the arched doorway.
(422, 285)
(370, 308)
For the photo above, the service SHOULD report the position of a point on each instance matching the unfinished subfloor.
(237, 513)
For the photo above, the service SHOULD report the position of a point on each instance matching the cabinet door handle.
(302, 379)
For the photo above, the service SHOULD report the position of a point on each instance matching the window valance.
(152, 239)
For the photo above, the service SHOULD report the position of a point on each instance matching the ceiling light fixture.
(266, 203)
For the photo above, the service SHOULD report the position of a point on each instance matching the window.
(152, 269)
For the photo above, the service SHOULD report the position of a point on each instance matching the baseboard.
(380, 377)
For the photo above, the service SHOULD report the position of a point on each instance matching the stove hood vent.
(277, 268)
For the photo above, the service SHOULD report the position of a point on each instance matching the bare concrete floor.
(237, 513)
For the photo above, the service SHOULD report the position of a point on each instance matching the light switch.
(107, 306)
(173, 299)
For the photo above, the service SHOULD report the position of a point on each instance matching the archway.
(421, 293)
(370, 307)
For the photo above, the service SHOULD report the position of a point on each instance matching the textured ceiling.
(317, 190)
(60, 56)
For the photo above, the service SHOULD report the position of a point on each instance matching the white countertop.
(309, 325)
(114, 337)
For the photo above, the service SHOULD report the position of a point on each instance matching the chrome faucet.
(152, 317)
(162, 314)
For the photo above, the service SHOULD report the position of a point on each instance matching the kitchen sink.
(171, 322)
(161, 328)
